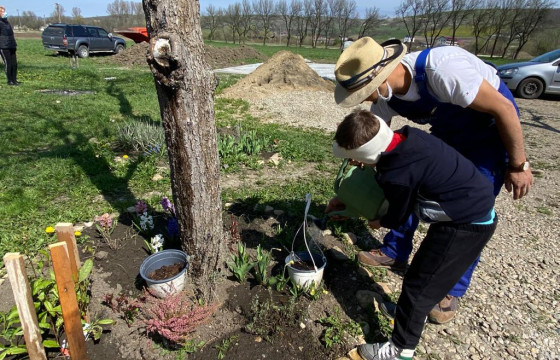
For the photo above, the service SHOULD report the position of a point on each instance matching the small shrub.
(337, 330)
(174, 317)
(142, 136)
(124, 306)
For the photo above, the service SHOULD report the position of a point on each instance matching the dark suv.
(80, 40)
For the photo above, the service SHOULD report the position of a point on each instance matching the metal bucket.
(172, 285)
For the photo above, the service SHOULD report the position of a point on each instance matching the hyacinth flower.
(167, 205)
(141, 207)
(146, 222)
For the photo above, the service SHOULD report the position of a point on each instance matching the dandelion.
(125, 156)
(325, 292)
(77, 233)
(49, 230)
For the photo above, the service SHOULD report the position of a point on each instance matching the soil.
(217, 57)
(166, 272)
(284, 71)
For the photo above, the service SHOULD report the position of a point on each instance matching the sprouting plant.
(95, 329)
(123, 305)
(105, 226)
(261, 265)
(241, 263)
(225, 345)
(279, 282)
(234, 230)
(155, 244)
(337, 329)
(174, 317)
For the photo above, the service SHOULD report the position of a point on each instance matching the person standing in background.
(8, 47)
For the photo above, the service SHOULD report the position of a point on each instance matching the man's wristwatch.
(519, 168)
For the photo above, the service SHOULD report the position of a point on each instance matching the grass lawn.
(63, 159)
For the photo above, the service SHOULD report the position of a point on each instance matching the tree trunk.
(185, 85)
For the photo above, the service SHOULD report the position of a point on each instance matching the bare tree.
(317, 20)
(460, 10)
(410, 12)
(77, 17)
(303, 22)
(531, 19)
(30, 20)
(500, 14)
(233, 16)
(212, 20)
(481, 21)
(289, 15)
(345, 12)
(370, 22)
(436, 16)
(185, 86)
(264, 10)
(511, 24)
(58, 14)
(246, 23)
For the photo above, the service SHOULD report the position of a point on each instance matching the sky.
(99, 8)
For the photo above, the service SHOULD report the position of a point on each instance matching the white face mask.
(389, 95)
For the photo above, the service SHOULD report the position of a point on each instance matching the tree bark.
(185, 87)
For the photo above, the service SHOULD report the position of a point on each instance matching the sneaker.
(384, 351)
(377, 258)
(388, 309)
(444, 311)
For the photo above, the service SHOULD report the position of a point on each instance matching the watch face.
(525, 165)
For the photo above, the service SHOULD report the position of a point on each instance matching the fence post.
(24, 303)
(65, 232)
(68, 301)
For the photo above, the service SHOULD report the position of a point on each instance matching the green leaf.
(44, 325)
(106, 322)
(16, 350)
(50, 343)
(85, 270)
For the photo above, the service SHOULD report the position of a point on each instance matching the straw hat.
(362, 67)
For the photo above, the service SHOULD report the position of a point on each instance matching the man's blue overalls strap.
(474, 134)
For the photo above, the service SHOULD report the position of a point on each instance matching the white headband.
(369, 152)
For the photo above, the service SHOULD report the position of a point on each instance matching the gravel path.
(512, 308)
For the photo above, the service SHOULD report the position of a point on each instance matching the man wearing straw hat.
(467, 106)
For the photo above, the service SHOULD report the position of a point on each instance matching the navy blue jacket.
(423, 165)
(7, 39)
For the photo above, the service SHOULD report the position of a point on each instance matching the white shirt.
(454, 76)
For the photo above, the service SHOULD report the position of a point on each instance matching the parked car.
(81, 40)
(531, 79)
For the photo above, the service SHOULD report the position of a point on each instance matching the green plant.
(142, 135)
(267, 318)
(224, 346)
(123, 305)
(337, 330)
(261, 265)
(241, 263)
(94, 327)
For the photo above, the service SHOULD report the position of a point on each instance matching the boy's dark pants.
(444, 255)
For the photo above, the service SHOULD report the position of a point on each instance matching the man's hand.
(374, 224)
(520, 182)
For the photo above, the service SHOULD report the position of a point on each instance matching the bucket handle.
(304, 227)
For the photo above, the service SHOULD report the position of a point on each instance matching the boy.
(420, 173)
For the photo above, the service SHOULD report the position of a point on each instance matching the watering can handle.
(340, 174)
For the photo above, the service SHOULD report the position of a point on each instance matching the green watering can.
(357, 188)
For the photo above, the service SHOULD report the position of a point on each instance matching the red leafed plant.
(173, 317)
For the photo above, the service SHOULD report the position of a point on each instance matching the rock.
(268, 209)
(101, 255)
(157, 177)
(336, 253)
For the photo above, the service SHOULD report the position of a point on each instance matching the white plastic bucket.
(305, 278)
(172, 285)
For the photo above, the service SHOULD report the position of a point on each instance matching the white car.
(531, 79)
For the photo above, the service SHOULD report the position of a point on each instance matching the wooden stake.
(65, 232)
(24, 303)
(68, 301)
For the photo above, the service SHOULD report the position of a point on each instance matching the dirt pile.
(217, 57)
(285, 71)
